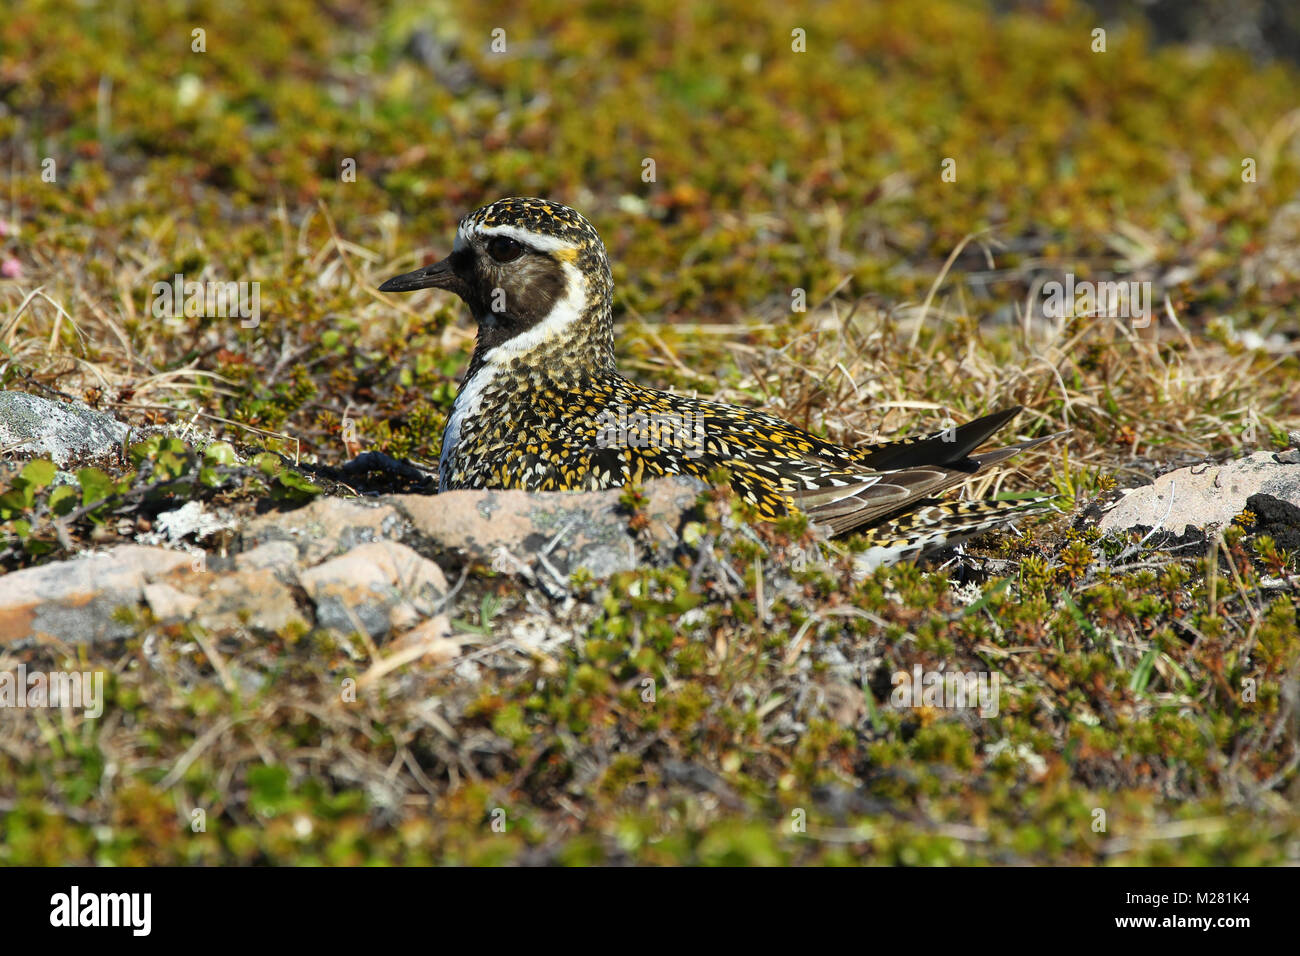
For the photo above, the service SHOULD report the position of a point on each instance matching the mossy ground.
(1123, 669)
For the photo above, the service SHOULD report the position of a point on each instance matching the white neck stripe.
(564, 313)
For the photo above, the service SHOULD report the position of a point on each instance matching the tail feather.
(908, 474)
(941, 448)
(986, 458)
(935, 525)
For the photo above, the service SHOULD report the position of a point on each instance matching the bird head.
(534, 274)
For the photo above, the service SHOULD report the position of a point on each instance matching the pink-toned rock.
(581, 529)
(1204, 496)
(272, 556)
(168, 603)
(345, 556)
(326, 527)
(250, 600)
(75, 600)
(378, 587)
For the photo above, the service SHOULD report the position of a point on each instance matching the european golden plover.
(544, 408)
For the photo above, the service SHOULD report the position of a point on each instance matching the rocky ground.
(374, 564)
(337, 605)
(849, 218)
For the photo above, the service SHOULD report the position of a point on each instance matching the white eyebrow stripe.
(536, 241)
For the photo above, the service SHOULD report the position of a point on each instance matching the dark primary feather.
(938, 448)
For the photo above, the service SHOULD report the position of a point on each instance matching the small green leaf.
(62, 500)
(293, 487)
(95, 485)
(36, 547)
(13, 502)
(291, 479)
(220, 453)
(143, 450)
(1142, 673)
(267, 463)
(173, 458)
(39, 473)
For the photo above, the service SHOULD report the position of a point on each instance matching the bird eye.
(504, 249)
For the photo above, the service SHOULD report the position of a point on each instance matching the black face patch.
(508, 298)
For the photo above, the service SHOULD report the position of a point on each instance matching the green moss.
(682, 725)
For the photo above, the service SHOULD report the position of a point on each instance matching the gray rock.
(66, 433)
(76, 600)
(325, 528)
(278, 556)
(378, 587)
(565, 530)
(1204, 496)
(337, 564)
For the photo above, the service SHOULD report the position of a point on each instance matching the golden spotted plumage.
(544, 408)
